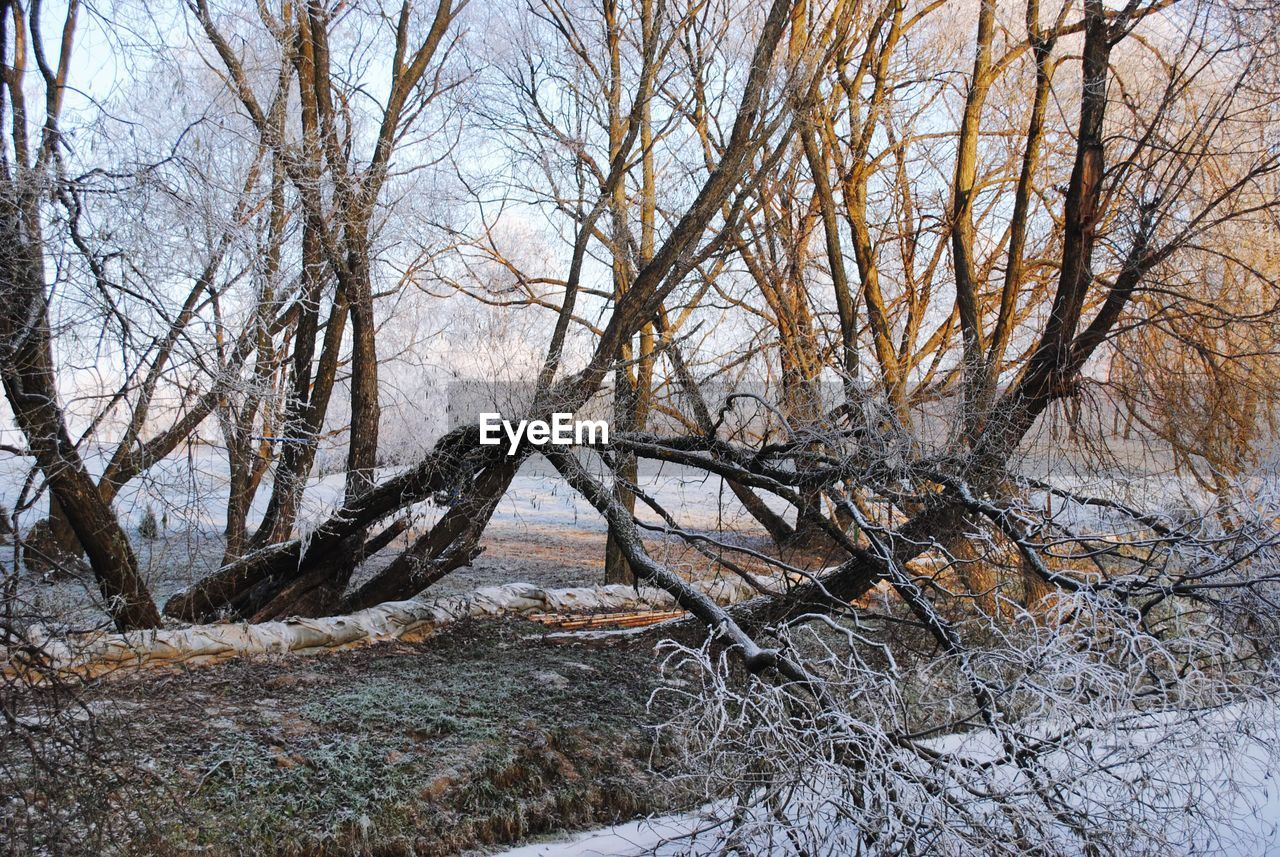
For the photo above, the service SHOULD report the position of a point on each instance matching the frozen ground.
(1236, 785)
(544, 533)
(541, 532)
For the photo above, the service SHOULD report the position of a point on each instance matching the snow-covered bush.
(1124, 713)
(1101, 740)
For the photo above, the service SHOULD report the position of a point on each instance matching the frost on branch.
(1127, 716)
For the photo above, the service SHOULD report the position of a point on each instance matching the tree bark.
(32, 393)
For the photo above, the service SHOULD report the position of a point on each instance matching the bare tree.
(31, 173)
(254, 582)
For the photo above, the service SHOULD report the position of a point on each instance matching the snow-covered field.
(190, 489)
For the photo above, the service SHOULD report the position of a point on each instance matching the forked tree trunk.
(29, 384)
(307, 402)
(452, 543)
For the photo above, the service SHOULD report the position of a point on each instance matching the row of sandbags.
(86, 656)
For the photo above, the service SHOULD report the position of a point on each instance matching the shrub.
(150, 527)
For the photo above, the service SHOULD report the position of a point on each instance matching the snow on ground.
(658, 836)
(1237, 786)
(542, 532)
(190, 487)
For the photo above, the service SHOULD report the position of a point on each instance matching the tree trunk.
(362, 454)
(51, 544)
(450, 544)
(458, 454)
(616, 567)
(307, 404)
(29, 384)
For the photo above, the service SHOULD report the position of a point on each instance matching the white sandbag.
(87, 656)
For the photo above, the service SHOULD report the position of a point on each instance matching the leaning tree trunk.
(32, 392)
(459, 455)
(450, 544)
(277, 566)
